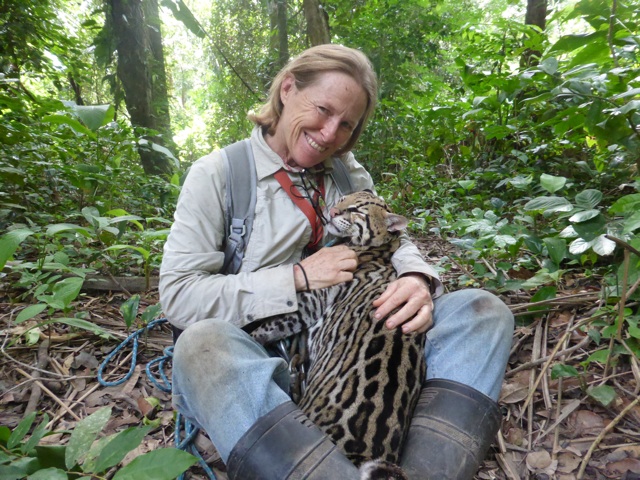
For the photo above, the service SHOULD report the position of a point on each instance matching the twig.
(49, 392)
(36, 391)
(600, 437)
(534, 363)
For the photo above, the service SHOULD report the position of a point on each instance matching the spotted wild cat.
(364, 379)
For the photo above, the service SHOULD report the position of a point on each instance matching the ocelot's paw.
(381, 470)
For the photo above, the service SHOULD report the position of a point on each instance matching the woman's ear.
(287, 86)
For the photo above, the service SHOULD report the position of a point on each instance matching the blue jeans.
(223, 381)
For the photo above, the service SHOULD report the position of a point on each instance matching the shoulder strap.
(341, 177)
(240, 201)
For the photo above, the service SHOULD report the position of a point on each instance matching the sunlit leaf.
(552, 183)
(603, 246)
(84, 433)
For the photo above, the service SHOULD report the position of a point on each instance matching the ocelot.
(364, 379)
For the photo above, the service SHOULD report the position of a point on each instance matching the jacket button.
(289, 303)
(250, 318)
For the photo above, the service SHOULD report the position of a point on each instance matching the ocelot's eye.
(352, 209)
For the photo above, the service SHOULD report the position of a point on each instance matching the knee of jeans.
(492, 311)
(203, 339)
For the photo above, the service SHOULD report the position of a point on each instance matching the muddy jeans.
(223, 381)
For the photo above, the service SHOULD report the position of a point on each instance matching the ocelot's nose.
(333, 212)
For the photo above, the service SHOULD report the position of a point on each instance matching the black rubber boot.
(285, 444)
(452, 429)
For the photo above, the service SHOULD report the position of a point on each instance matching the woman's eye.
(323, 110)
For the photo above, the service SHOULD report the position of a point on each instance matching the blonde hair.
(306, 68)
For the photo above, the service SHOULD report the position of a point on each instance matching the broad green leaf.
(557, 249)
(5, 433)
(592, 228)
(467, 184)
(64, 292)
(21, 430)
(129, 309)
(549, 205)
(578, 246)
(589, 198)
(552, 183)
(78, 323)
(603, 394)
(10, 242)
(151, 312)
(162, 464)
(49, 474)
(545, 293)
(603, 246)
(145, 253)
(67, 227)
(19, 468)
(632, 223)
(584, 216)
(51, 455)
(94, 116)
(559, 371)
(39, 432)
(549, 65)
(71, 122)
(84, 433)
(123, 443)
(628, 203)
(632, 92)
(30, 312)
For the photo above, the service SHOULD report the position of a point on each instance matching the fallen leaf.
(541, 462)
(584, 423)
(622, 466)
(568, 462)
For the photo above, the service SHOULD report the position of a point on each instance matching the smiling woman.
(316, 110)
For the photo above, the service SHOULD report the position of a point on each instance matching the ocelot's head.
(364, 219)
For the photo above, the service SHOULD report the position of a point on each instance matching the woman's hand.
(411, 293)
(328, 266)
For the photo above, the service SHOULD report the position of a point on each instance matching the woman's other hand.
(411, 294)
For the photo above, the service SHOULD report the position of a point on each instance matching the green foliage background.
(529, 169)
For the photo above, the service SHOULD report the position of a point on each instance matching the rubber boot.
(452, 429)
(285, 444)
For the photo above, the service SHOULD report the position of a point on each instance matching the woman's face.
(317, 120)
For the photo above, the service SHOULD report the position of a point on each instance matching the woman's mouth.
(314, 145)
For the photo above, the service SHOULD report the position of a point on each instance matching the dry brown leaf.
(584, 423)
(620, 467)
(541, 462)
(513, 392)
(568, 462)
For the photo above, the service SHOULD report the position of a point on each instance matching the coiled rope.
(183, 427)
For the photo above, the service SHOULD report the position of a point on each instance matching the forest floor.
(551, 428)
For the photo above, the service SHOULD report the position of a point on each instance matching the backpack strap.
(240, 201)
(341, 177)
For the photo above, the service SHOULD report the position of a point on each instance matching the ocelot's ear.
(395, 222)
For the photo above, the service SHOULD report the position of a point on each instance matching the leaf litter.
(552, 427)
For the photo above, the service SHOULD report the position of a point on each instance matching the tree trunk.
(136, 65)
(283, 38)
(536, 15)
(317, 23)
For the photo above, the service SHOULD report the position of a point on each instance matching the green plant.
(85, 455)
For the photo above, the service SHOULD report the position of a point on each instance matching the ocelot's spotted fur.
(364, 379)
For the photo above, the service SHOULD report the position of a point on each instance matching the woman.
(225, 382)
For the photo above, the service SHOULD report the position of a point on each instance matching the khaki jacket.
(191, 289)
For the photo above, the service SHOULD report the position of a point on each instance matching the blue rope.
(163, 383)
(133, 338)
